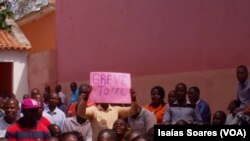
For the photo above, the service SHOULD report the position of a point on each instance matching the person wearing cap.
(27, 127)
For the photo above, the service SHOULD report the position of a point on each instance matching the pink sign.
(109, 87)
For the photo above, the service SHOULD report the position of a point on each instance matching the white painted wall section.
(20, 70)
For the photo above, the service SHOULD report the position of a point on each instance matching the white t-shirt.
(62, 96)
(3, 127)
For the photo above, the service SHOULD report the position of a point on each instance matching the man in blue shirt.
(200, 104)
(243, 94)
(75, 92)
(181, 109)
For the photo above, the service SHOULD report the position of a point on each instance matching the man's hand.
(84, 92)
(133, 95)
(85, 96)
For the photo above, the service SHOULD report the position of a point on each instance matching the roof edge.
(51, 7)
(18, 34)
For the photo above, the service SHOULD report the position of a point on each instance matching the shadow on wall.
(218, 87)
(42, 69)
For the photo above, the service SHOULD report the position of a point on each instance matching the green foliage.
(5, 12)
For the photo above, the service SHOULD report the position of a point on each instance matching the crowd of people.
(50, 116)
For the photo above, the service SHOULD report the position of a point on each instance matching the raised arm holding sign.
(103, 115)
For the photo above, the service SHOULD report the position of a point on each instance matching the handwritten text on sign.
(110, 87)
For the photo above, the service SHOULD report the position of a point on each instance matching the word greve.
(110, 87)
(109, 79)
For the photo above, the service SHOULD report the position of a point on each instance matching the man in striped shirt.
(27, 127)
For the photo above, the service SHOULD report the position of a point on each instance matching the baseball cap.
(30, 103)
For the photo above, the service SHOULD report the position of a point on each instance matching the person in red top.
(158, 105)
(41, 118)
(27, 127)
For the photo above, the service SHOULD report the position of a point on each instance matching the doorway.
(6, 75)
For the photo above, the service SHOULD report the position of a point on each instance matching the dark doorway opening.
(6, 75)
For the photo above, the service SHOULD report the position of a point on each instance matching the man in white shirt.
(56, 115)
(79, 124)
(10, 108)
(58, 90)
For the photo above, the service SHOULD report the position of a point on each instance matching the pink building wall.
(160, 42)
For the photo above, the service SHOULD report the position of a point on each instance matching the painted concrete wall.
(165, 41)
(41, 33)
(42, 57)
(20, 75)
(218, 87)
(42, 69)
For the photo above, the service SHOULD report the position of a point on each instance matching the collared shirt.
(177, 112)
(243, 94)
(204, 111)
(101, 119)
(143, 122)
(158, 112)
(47, 116)
(198, 101)
(71, 124)
(57, 116)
